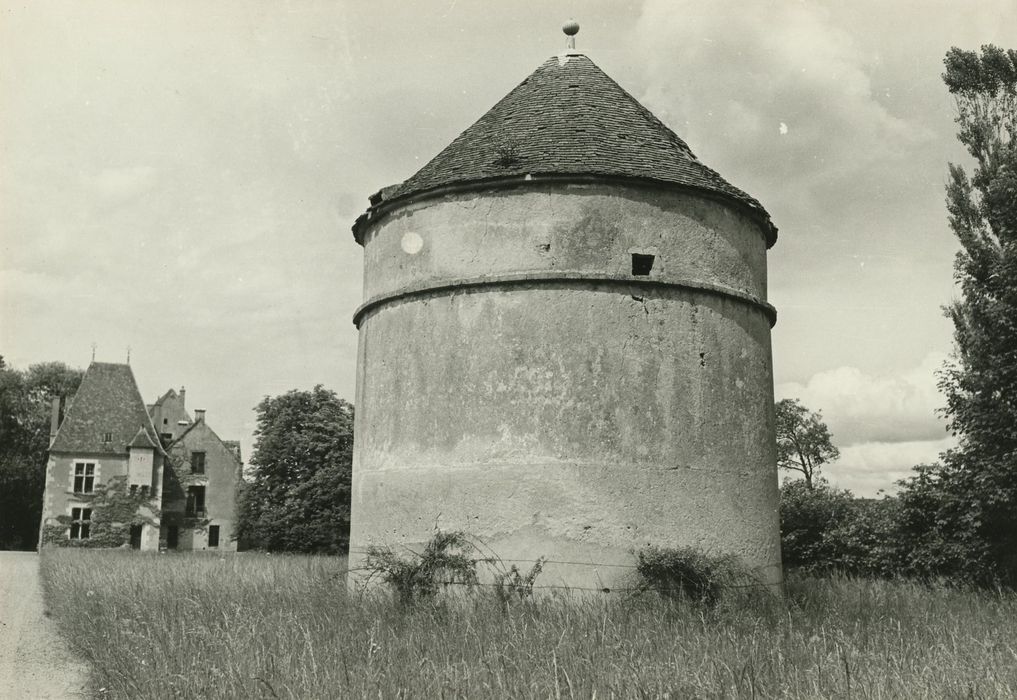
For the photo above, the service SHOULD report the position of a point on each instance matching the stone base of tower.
(573, 515)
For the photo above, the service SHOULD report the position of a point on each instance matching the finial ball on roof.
(571, 28)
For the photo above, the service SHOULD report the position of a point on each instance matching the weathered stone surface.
(518, 382)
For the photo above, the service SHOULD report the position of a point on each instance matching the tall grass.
(259, 626)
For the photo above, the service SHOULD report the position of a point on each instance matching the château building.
(120, 473)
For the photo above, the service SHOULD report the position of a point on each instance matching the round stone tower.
(565, 344)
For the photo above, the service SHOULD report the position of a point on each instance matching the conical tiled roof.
(107, 404)
(570, 118)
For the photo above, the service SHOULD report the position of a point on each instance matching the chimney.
(199, 415)
(54, 420)
(183, 395)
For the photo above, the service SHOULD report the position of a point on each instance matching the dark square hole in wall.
(642, 264)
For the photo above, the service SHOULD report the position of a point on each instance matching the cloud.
(725, 73)
(866, 468)
(884, 424)
(860, 407)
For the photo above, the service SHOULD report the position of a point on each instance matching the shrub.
(685, 573)
(445, 561)
(941, 522)
(808, 517)
(514, 585)
(867, 542)
(824, 529)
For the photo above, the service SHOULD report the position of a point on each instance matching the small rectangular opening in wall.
(213, 536)
(642, 263)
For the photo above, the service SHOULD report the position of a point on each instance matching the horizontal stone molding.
(550, 278)
(380, 209)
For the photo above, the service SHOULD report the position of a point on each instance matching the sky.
(178, 180)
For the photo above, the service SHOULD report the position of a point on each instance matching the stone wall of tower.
(517, 381)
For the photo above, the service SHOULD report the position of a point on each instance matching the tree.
(25, 410)
(826, 529)
(298, 496)
(964, 509)
(803, 440)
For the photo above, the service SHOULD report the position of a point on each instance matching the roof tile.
(107, 401)
(569, 118)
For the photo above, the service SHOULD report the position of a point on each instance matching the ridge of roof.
(225, 443)
(567, 118)
(171, 393)
(142, 439)
(107, 402)
(189, 428)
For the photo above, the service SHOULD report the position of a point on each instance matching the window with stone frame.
(197, 463)
(196, 500)
(84, 477)
(81, 523)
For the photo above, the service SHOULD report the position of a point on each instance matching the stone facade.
(569, 366)
(200, 490)
(113, 479)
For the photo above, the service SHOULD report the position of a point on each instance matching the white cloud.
(866, 468)
(860, 407)
(883, 424)
(722, 74)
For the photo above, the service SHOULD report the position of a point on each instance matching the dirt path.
(34, 660)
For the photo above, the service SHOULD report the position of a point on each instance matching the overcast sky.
(181, 178)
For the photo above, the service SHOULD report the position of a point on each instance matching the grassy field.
(260, 626)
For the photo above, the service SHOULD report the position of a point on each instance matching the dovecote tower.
(565, 342)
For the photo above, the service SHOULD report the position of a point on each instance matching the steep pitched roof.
(234, 447)
(142, 439)
(201, 426)
(107, 401)
(569, 118)
(171, 394)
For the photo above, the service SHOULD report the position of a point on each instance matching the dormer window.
(107, 437)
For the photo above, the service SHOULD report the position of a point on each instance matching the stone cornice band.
(379, 211)
(551, 277)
